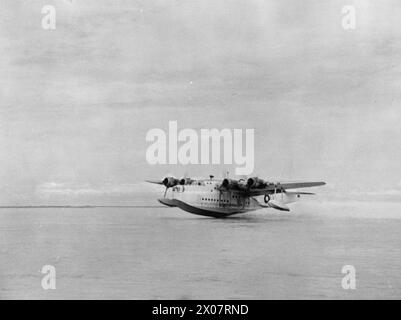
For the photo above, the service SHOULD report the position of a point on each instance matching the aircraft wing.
(154, 181)
(278, 187)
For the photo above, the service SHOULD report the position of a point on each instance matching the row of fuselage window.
(215, 200)
(222, 200)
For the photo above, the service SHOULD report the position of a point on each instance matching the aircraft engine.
(229, 184)
(255, 183)
(170, 182)
(185, 181)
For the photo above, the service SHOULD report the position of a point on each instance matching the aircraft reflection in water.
(223, 197)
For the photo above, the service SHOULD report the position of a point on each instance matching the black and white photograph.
(200, 150)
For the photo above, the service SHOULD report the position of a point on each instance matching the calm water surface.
(165, 253)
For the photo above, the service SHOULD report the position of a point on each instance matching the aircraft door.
(223, 196)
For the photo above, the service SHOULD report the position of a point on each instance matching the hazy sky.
(76, 102)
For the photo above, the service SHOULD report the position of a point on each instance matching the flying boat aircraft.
(220, 198)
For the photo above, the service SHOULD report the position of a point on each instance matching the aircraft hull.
(209, 212)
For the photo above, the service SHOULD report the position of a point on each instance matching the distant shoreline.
(79, 206)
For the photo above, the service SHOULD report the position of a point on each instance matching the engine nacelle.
(255, 183)
(170, 182)
(229, 184)
(185, 181)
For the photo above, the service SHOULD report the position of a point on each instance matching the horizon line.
(82, 206)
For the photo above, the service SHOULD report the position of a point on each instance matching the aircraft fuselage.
(205, 198)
